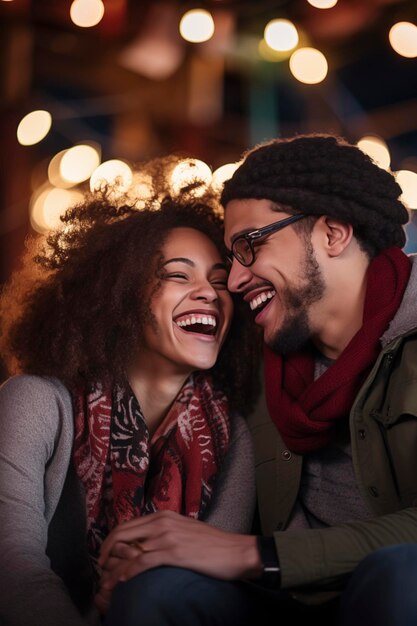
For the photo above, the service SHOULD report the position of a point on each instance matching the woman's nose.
(205, 291)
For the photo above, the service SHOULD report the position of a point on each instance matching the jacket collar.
(406, 317)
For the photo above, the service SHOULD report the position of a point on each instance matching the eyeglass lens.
(242, 250)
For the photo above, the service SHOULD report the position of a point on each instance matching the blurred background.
(90, 88)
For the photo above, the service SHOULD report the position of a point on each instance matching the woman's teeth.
(200, 319)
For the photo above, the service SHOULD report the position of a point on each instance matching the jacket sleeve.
(31, 417)
(233, 504)
(323, 557)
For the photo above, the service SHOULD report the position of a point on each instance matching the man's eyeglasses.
(242, 247)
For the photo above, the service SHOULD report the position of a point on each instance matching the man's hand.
(167, 538)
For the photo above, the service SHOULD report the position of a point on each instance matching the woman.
(120, 406)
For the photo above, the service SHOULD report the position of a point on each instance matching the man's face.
(285, 280)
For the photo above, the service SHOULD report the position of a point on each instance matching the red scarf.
(305, 410)
(126, 475)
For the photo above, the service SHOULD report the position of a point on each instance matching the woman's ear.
(338, 235)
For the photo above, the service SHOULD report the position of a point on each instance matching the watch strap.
(271, 576)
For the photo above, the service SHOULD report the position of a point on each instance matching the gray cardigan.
(44, 568)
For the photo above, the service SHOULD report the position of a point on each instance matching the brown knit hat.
(324, 175)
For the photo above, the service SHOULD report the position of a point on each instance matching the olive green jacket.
(383, 427)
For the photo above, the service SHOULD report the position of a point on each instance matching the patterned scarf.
(126, 475)
(305, 410)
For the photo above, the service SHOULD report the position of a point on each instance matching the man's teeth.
(259, 300)
(200, 319)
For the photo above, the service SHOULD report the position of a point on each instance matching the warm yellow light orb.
(223, 173)
(407, 180)
(403, 39)
(197, 26)
(115, 174)
(78, 163)
(308, 65)
(322, 4)
(86, 13)
(54, 171)
(281, 35)
(188, 173)
(34, 127)
(47, 207)
(377, 149)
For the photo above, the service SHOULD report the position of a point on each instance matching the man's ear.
(338, 235)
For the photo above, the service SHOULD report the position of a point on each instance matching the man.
(315, 231)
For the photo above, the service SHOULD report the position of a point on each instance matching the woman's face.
(192, 308)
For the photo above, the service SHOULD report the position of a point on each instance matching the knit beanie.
(317, 174)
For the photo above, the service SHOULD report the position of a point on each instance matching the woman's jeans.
(381, 592)
(179, 597)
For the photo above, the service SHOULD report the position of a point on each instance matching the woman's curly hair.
(76, 309)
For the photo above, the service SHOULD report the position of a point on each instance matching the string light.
(114, 174)
(403, 39)
(34, 127)
(78, 163)
(86, 13)
(322, 4)
(377, 149)
(281, 35)
(196, 26)
(308, 65)
(191, 172)
(223, 173)
(47, 206)
(407, 180)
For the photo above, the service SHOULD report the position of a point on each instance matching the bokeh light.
(407, 180)
(34, 127)
(196, 26)
(223, 173)
(54, 171)
(377, 149)
(322, 4)
(115, 174)
(308, 65)
(86, 13)
(78, 163)
(188, 173)
(281, 35)
(403, 39)
(47, 207)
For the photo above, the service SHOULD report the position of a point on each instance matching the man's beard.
(295, 330)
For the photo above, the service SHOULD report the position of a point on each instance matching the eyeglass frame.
(260, 233)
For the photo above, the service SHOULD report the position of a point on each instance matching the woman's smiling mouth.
(197, 322)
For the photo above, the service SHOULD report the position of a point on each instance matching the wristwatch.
(271, 575)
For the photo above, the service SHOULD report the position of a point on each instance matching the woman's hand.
(167, 538)
(102, 600)
(122, 551)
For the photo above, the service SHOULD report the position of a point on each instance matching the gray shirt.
(44, 568)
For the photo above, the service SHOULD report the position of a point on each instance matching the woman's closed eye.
(176, 275)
